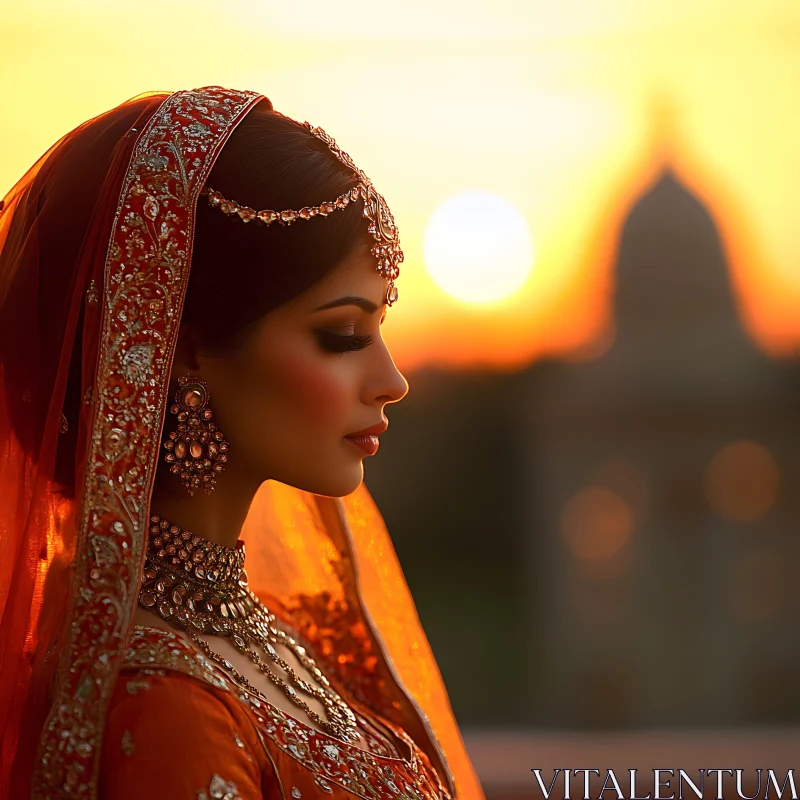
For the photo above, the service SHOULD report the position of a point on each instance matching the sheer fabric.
(95, 249)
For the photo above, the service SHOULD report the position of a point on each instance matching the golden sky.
(550, 105)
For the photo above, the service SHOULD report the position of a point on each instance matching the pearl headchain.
(381, 222)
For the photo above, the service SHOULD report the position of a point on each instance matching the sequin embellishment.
(127, 743)
(92, 295)
(219, 789)
(331, 762)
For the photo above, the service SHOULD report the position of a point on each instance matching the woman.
(152, 415)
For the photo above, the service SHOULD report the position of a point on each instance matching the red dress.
(179, 727)
(96, 244)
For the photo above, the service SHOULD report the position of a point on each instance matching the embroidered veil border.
(95, 249)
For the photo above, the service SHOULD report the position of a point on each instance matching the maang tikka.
(382, 226)
(197, 451)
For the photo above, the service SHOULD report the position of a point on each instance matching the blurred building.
(664, 497)
(611, 543)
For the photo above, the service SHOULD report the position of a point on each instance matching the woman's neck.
(218, 517)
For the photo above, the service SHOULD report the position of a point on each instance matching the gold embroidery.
(127, 743)
(240, 743)
(332, 763)
(92, 295)
(219, 789)
(157, 646)
(147, 262)
(135, 686)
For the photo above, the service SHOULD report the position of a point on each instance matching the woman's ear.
(185, 361)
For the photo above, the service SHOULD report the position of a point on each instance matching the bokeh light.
(621, 475)
(742, 481)
(596, 523)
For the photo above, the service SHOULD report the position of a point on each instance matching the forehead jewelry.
(381, 222)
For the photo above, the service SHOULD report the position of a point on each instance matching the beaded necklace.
(201, 587)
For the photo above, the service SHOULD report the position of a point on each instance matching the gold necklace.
(201, 587)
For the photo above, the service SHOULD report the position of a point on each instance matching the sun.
(478, 247)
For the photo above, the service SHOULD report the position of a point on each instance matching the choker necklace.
(201, 587)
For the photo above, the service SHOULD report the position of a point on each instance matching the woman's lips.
(369, 444)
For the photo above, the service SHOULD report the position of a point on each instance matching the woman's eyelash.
(341, 344)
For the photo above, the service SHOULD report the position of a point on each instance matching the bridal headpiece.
(381, 222)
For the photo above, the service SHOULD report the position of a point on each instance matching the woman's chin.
(347, 482)
(338, 482)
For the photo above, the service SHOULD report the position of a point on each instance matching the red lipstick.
(367, 439)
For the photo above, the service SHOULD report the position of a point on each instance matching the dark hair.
(241, 271)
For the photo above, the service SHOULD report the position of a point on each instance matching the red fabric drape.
(95, 250)
(54, 228)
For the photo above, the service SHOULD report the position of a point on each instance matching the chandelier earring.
(196, 450)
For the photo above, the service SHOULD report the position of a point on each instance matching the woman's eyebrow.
(361, 302)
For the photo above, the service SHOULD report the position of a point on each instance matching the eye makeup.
(336, 343)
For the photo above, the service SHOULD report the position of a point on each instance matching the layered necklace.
(201, 587)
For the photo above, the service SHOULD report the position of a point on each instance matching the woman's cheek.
(316, 388)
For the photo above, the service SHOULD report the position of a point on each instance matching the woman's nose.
(393, 386)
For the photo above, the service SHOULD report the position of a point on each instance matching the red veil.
(95, 249)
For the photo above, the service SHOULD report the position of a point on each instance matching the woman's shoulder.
(169, 734)
(191, 707)
(157, 648)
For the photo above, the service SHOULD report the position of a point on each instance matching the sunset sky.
(559, 109)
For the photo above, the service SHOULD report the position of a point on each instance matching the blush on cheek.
(315, 391)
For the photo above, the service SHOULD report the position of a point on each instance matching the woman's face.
(286, 399)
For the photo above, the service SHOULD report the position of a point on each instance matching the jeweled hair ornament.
(381, 222)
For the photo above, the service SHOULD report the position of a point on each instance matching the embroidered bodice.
(295, 759)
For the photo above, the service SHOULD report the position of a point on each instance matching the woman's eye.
(340, 344)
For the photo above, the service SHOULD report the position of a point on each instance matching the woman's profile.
(198, 596)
